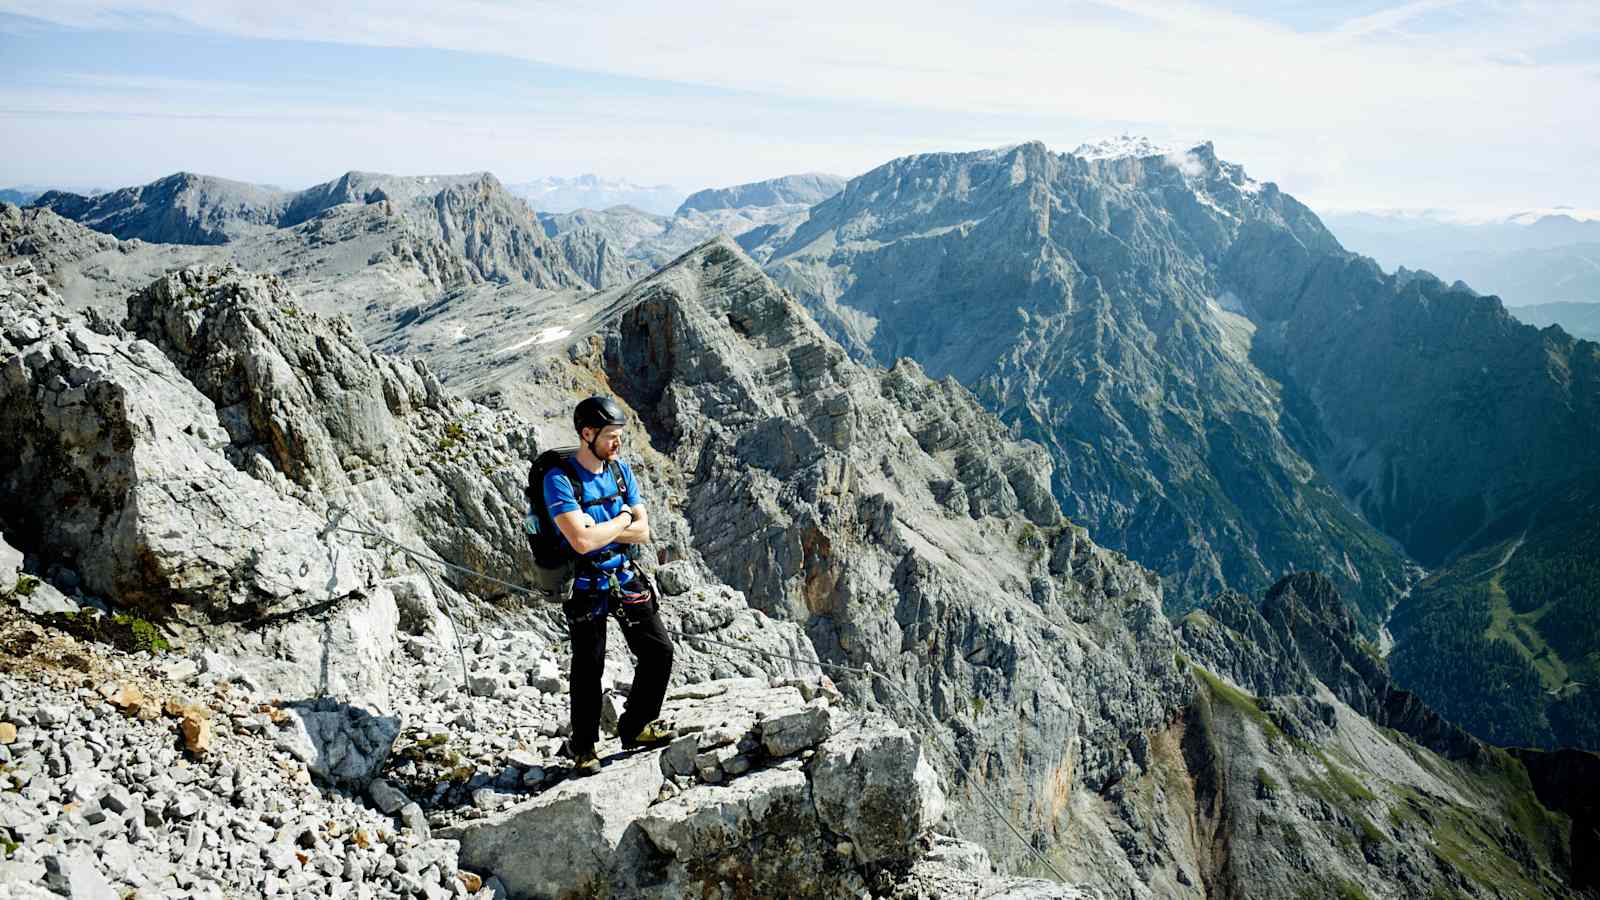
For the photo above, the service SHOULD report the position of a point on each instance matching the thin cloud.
(1391, 19)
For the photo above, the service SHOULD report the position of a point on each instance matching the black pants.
(652, 651)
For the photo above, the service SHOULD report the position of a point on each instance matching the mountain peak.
(1124, 146)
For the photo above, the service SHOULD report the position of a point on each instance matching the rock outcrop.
(819, 816)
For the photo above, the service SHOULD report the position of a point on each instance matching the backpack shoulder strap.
(622, 484)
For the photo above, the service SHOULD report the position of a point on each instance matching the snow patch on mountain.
(1122, 146)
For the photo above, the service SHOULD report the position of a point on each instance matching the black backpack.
(554, 561)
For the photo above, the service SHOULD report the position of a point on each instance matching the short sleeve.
(630, 489)
(558, 496)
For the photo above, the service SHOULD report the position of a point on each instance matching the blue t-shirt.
(559, 498)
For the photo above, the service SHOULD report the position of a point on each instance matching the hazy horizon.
(1363, 106)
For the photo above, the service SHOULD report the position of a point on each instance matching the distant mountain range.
(19, 196)
(1533, 257)
(1577, 319)
(619, 244)
(563, 195)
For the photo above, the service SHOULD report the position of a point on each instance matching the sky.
(1474, 105)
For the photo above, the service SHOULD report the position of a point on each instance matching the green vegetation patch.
(129, 634)
(1230, 696)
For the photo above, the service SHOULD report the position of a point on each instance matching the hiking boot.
(654, 734)
(585, 764)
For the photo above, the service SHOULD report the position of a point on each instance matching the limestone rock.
(341, 745)
(10, 566)
(676, 578)
(41, 598)
(789, 734)
(876, 789)
(578, 827)
(388, 798)
(75, 876)
(123, 452)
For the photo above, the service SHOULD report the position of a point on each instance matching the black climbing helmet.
(597, 412)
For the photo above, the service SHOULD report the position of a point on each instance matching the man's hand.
(638, 530)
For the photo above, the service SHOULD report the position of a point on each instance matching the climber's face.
(608, 443)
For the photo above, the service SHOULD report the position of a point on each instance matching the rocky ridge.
(182, 208)
(382, 237)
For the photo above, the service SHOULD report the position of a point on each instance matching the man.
(598, 517)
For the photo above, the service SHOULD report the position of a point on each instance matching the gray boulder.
(10, 566)
(577, 826)
(790, 733)
(75, 877)
(341, 745)
(677, 577)
(386, 796)
(42, 598)
(876, 788)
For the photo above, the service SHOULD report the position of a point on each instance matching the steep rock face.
(590, 253)
(498, 235)
(307, 406)
(1302, 634)
(1081, 299)
(1569, 781)
(1229, 636)
(1321, 757)
(1301, 795)
(906, 531)
(1482, 418)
